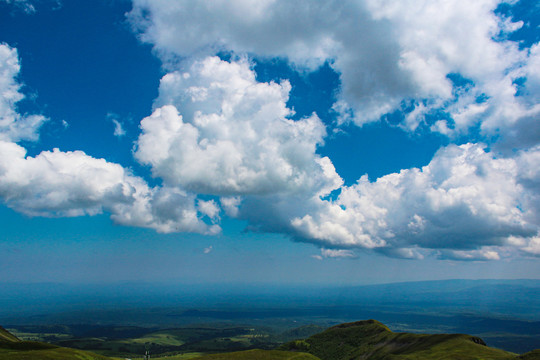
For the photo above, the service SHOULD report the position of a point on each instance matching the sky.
(269, 141)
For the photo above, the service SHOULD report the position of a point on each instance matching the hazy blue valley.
(504, 313)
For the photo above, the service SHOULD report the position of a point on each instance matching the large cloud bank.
(447, 66)
(219, 134)
(387, 53)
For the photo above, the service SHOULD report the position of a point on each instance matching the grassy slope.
(12, 348)
(372, 340)
(259, 355)
(6, 336)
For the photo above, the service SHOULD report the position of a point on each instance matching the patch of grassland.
(159, 338)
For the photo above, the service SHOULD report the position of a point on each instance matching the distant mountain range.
(513, 297)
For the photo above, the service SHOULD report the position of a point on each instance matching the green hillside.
(6, 336)
(11, 348)
(367, 339)
(259, 355)
(372, 340)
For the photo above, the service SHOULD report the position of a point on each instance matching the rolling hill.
(368, 339)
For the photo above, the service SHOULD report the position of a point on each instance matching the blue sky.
(269, 142)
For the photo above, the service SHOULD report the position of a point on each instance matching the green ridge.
(372, 340)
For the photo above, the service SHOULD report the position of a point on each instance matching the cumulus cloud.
(386, 53)
(56, 183)
(306, 33)
(60, 183)
(216, 130)
(464, 201)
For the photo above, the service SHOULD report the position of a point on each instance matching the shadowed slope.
(6, 336)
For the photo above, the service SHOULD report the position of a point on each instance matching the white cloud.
(305, 32)
(209, 208)
(439, 56)
(208, 250)
(166, 210)
(483, 254)
(13, 126)
(334, 253)
(440, 38)
(533, 247)
(231, 205)
(340, 253)
(216, 130)
(56, 183)
(59, 183)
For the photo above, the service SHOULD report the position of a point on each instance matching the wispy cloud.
(25, 5)
(118, 127)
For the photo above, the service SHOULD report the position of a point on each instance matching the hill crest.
(370, 339)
